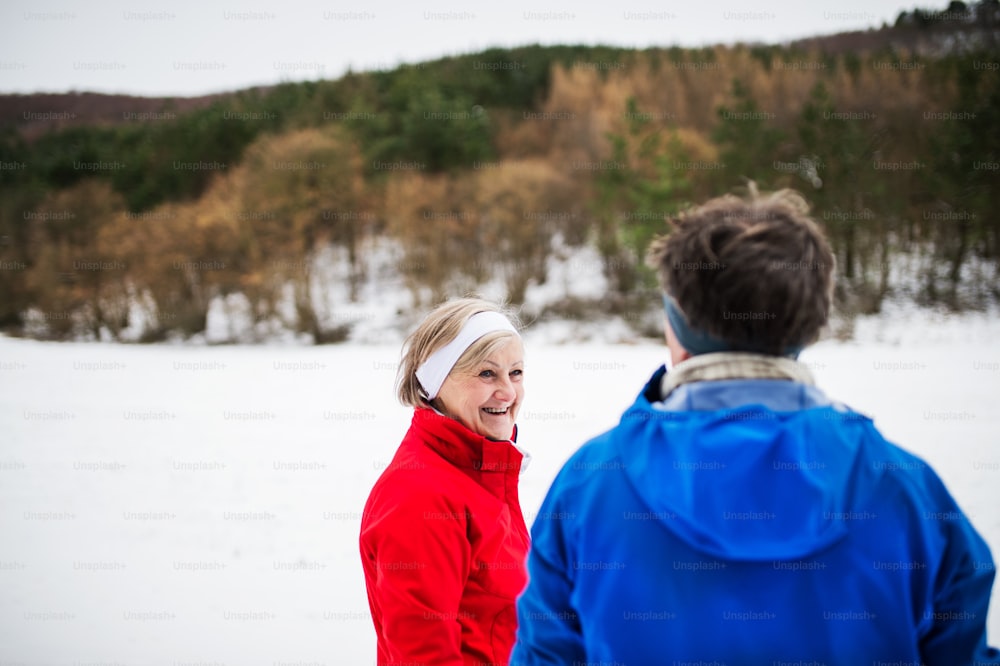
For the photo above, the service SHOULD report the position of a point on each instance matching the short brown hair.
(439, 327)
(757, 273)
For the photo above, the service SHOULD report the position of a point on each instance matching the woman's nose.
(504, 389)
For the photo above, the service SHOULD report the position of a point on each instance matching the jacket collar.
(729, 393)
(465, 449)
(735, 365)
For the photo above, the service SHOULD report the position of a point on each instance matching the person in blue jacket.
(736, 515)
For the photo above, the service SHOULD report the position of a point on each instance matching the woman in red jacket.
(443, 541)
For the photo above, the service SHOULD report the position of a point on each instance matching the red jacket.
(443, 545)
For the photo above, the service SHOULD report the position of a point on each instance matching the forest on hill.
(483, 166)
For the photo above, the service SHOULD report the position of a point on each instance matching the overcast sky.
(190, 47)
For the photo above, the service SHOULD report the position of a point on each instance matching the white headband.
(432, 372)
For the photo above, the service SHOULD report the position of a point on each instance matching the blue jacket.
(751, 522)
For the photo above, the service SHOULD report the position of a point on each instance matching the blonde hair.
(439, 327)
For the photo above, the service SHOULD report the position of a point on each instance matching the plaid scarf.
(734, 365)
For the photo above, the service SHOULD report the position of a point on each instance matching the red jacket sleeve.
(418, 558)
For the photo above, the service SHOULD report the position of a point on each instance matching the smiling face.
(487, 398)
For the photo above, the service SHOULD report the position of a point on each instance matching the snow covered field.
(186, 505)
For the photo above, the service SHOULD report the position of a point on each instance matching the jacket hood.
(746, 483)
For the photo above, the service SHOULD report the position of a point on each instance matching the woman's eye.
(516, 373)
(487, 373)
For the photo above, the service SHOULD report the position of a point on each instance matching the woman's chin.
(498, 431)
(500, 427)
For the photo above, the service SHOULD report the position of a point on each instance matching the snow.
(576, 272)
(196, 504)
(906, 324)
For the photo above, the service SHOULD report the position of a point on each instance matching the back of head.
(755, 273)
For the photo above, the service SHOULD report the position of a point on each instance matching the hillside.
(38, 114)
(924, 32)
(958, 28)
(288, 208)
